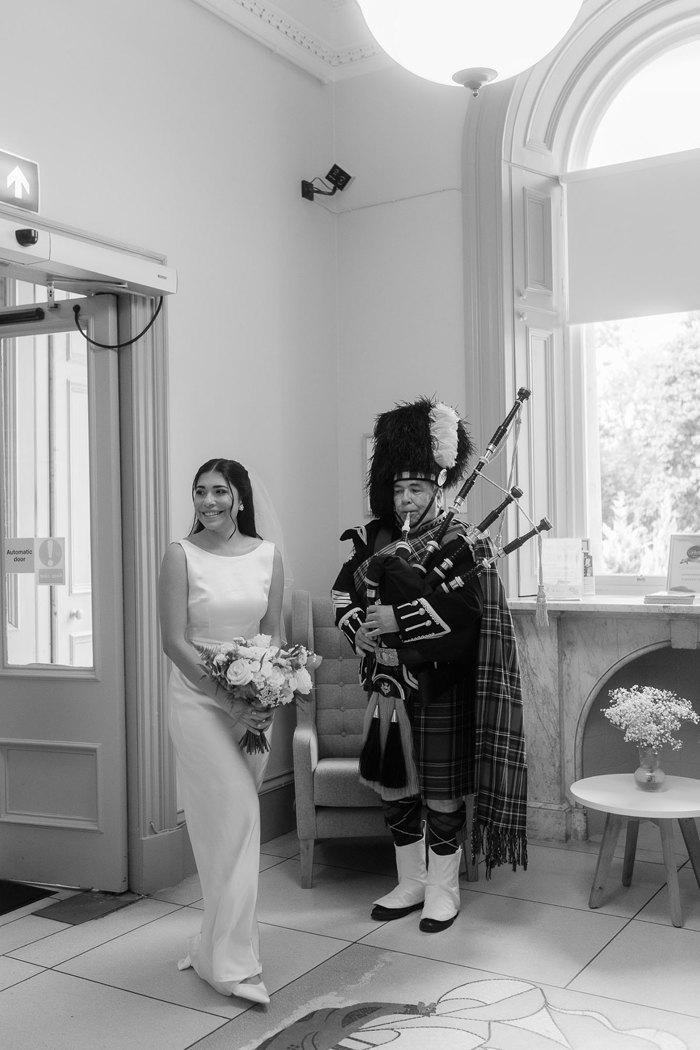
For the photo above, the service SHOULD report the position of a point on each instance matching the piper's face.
(412, 496)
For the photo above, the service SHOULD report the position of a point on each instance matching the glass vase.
(649, 774)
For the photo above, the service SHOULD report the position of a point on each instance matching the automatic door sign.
(19, 181)
(50, 560)
(19, 555)
(45, 557)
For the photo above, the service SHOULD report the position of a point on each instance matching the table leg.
(630, 850)
(674, 894)
(613, 824)
(692, 843)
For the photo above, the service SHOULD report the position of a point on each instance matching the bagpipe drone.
(398, 576)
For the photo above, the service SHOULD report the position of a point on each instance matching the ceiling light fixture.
(468, 42)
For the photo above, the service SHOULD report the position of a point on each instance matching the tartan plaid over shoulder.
(500, 818)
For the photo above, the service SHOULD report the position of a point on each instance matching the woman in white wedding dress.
(222, 582)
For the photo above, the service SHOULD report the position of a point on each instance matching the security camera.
(27, 237)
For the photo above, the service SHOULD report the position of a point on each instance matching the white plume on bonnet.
(444, 434)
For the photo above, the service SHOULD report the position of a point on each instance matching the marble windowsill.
(609, 604)
(564, 666)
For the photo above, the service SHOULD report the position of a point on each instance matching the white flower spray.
(650, 717)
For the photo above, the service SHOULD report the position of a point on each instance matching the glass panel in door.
(47, 498)
(62, 742)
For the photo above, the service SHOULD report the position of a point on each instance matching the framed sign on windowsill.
(684, 563)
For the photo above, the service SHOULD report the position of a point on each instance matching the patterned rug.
(499, 1014)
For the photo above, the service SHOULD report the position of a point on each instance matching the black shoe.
(436, 925)
(382, 914)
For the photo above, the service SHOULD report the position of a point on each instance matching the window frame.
(541, 124)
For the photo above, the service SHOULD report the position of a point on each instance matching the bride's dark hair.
(236, 476)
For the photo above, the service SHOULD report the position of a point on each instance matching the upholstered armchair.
(330, 800)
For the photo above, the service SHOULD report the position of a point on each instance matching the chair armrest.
(305, 748)
(305, 755)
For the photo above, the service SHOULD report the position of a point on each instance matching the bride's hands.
(255, 717)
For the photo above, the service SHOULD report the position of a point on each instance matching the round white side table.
(620, 798)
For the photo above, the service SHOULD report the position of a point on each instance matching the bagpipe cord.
(446, 830)
(404, 819)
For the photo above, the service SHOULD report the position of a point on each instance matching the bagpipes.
(392, 579)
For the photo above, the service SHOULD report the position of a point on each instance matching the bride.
(222, 582)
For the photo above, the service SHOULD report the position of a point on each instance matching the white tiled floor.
(619, 977)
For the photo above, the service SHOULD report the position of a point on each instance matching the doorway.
(63, 768)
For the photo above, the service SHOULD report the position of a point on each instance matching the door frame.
(159, 850)
(159, 853)
(70, 720)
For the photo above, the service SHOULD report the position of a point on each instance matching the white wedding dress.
(219, 783)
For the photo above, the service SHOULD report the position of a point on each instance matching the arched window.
(555, 246)
(654, 113)
(642, 356)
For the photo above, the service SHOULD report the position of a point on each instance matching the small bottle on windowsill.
(588, 577)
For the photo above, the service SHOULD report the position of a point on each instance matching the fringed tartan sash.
(500, 817)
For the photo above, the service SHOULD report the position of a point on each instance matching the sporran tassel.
(371, 754)
(393, 763)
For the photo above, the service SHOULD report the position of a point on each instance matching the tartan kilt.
(443, 742)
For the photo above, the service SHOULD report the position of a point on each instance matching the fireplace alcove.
(568, 667)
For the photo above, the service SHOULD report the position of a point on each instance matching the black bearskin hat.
(422, 439)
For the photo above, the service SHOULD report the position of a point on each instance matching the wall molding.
(152, 806)
(21, 798)
(298, 43)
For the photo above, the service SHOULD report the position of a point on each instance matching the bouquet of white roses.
(649, 716)
(251, 669)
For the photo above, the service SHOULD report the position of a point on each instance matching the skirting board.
(166, 859)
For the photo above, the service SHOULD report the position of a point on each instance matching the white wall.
(158, 125)
(400, 256)
(161, 126)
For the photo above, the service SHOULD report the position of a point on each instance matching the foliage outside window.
(644, 451)
(647, 386)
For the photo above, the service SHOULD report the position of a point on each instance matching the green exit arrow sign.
(19, 181)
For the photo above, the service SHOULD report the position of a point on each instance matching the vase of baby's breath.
(650, 718)
(649, 774)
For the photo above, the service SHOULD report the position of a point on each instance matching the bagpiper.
(439, 662)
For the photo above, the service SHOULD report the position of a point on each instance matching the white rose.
(300, 682)
(255, 652)
(239, 673)
(262, 641)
